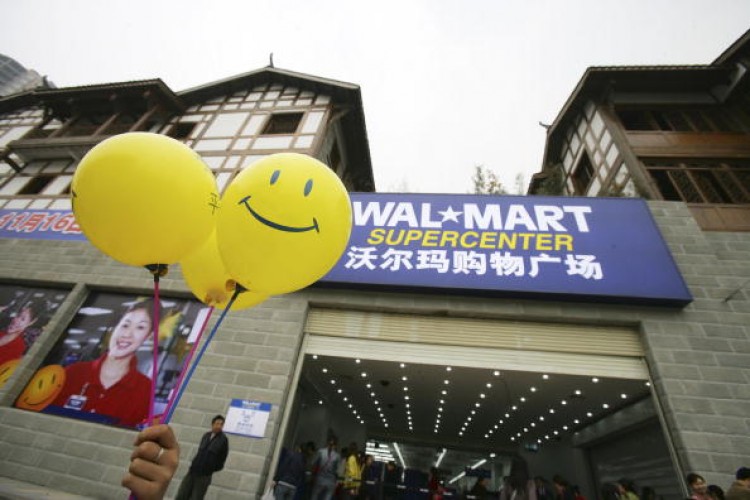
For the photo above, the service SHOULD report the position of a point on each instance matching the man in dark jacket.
(290, 475)
(212, 453)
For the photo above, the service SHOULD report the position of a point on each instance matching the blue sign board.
(606, 249)
(564, 247)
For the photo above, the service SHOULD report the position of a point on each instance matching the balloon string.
(155, 365)
(200, 353)
(187, 362)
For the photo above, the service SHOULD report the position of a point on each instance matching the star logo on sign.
(449, 214)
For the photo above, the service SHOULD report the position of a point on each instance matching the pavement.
(11, 489)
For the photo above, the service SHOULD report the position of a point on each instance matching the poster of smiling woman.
(24, 312)
(99, 370)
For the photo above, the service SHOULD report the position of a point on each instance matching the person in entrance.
(325, 469)
(212, 453)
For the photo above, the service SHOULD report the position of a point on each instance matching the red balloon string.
(155, 366)
(185, 365)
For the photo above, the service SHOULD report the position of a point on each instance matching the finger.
(161, 434)
(150, 471)
(148, 450)
(141, 488)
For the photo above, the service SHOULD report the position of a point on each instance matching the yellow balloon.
(206, 277)
(284, 223)
(43, 388)
(144, 198)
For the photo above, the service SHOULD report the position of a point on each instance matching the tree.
(486, 181)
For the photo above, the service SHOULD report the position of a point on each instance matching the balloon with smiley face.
(283, 223)
(42, 389)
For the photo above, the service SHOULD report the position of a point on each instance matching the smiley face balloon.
(283, 223)
(7, 369)
(42, 389)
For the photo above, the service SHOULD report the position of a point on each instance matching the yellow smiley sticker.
(283, 223)
(7, 369)
(42, 389)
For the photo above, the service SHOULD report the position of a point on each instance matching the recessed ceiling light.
(523, 400)
(440, 408)
(446, 381)
(358, 361)
(576, 421)
(533, 424)
(376, 402)
(552, 410)
(496, 373)
(324, 370)
(448, 368)
(406, 388)
(333, 381)
(563, 402)
(541, 418)
(589, 414)
(315, 356)
(460, 433)
(555, 433)
(605, 406)
(404, 378)
(402, 365)
(350, 405)
(545, 376)
(507, 415)
(406, 397)
(407, 405)
(468, 418)
(648, 384)
(364, 374)
(346, 399)
(514, 408)
(486, 436)
(482, 395)
(492, 455)
(525, 429)
(372, 394)
(369, 386)
(442, 401)
(385, 425)
(624, 396)
(533, 389)
(320, 401)
(473, 412)
(595, 380)
(500, 422)
(339, 391)
(565, 427)
(444, 392)
(512, 438)
(489, 386)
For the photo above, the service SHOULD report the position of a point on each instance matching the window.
(688, 119)
(36, 184)
(716, 182)
(583, 174)
(181, 130)
(282, 123)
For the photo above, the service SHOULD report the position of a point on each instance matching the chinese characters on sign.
(247, 418)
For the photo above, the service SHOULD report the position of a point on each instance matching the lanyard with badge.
(77, 401)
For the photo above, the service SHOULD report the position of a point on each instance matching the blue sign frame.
(603, 249)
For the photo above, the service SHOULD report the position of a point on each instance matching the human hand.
(152, 463)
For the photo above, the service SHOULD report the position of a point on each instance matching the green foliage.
(486, 181)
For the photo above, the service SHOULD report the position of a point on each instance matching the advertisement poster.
(100, 368)
(24, 312)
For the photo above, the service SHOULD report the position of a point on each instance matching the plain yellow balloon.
(284, 222)
(144, 198)
(206, 277)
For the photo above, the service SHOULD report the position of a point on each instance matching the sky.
(446, 85)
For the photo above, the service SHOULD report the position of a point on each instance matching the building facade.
(664, 383)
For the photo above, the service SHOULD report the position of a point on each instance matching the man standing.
(327, 465)
(740, 489)
(212, 453)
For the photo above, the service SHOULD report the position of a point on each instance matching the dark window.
(282, 123)
(36, 184)
(710, 181)
(635, 119)
(181, 130)
(583, 174)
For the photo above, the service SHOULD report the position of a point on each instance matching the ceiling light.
(565, 427)
(404, 378)
(357, 361)
(473, 412)
(507, 415)
(406, 388)
(533, 389)
(545, 376)
(369, 386)
(555, 433)
(624, 396)
(541, 419)
(495, 426)
(533, 424)
(340, 391)
(320, 401)
(346, 399)
(407, 405)
(576, 421)
(372, 394)
(595, 380)
(460, 433)
(468, 418)
(477, 405)
(486, 436)
(446, 381)
(315, 356)
(325, 370)
(482, 395)
(589, 414)
(563, 402)
(552, 410)
(523, 400)
(402, 365)
(605, 406)
(444, 392)
(648, 384)
(481, 462)
(489, 386)
(406, 397)
(440, 408)
(350, 405)
(577, 392)
(496, 373)
(512, 438)
(525, 429)
(442, 402)
(492, 455)
(514, 407)
(364, 374)
(376, 402)
(448, 368)
(333, 381)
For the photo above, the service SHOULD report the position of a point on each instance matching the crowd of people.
(304, 473)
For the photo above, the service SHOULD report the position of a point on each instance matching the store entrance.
(455, 422)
